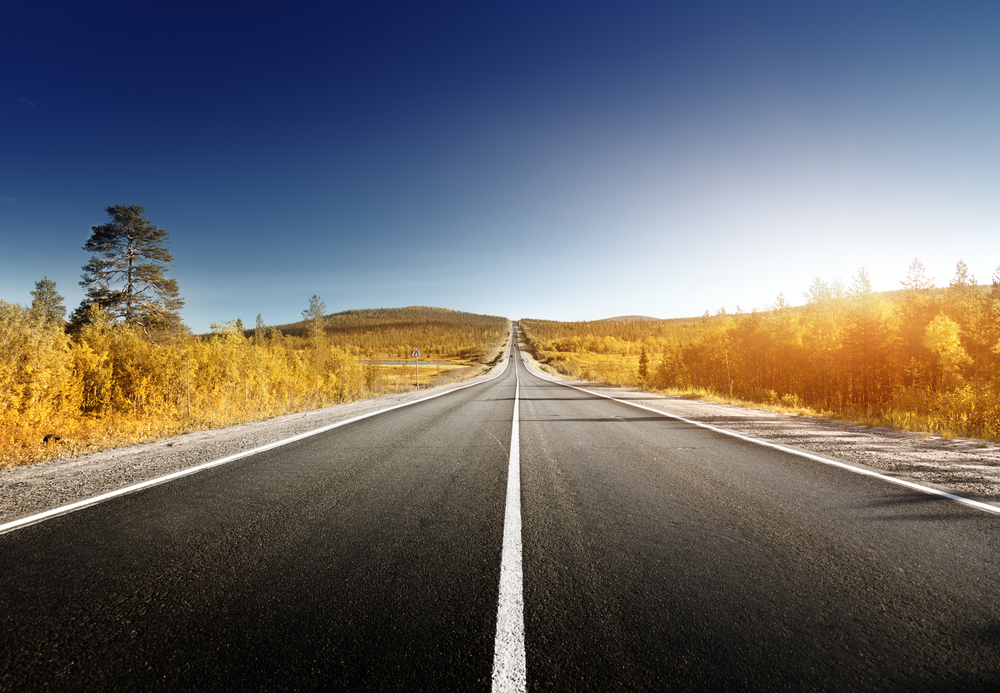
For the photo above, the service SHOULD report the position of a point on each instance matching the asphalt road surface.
(656, 556)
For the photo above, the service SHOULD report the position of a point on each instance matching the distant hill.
(628, 318)
(394, 332)
(381, 318)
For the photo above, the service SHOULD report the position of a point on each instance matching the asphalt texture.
(657, 556)
(365, 558)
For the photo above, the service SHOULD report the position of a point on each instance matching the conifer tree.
(916, 278)
(861, 285)
(259, 330)
(125, 276)
(317, 329)
(46, 303)
(315, 315)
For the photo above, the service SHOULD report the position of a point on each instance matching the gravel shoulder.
(960, 466)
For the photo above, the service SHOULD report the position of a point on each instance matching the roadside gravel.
(961, 466)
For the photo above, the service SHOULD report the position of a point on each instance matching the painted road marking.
(509, 668)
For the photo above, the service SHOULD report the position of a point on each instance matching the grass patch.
(395, 378)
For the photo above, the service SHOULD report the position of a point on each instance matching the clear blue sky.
(527, 159)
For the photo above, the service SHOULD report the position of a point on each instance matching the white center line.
(509, 670)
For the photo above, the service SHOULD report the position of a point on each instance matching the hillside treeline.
(109, 383)
(922, 358)
(394, 332)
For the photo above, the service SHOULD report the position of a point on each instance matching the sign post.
(416, 355)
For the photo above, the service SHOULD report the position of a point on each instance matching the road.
(656, 555)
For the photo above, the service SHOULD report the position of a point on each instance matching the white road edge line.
(809, 456)
(87, 502)
(509, 666)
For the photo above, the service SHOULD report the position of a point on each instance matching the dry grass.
(393, 378)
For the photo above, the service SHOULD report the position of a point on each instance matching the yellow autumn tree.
(942, 337)
(37, 390)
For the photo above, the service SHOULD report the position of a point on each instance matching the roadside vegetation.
(124, 368)
(110, 384)
(920, 359)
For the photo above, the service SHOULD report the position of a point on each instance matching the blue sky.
(527, 159)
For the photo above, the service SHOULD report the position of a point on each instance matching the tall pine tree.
(125, 277)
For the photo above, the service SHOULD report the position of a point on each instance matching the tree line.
(922, 357)
(393, 332)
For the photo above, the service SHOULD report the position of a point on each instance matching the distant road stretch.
(656, 555)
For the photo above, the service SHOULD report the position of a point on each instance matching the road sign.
(416, 355)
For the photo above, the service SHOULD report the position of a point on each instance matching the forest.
(107, 383)
(920, 358)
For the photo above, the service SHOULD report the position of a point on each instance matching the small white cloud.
(28, 103)
(7, 198)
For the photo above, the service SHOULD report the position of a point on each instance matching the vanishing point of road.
(639, 552)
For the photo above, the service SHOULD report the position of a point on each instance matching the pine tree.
(46, 303)
(861, 285)
(317, 329)
(916, 278)
(259, 331)
(819, 291)
(315, 315)
(643, 364)
(125, 277)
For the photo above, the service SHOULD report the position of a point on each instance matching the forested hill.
(628, 318)
(391, 332)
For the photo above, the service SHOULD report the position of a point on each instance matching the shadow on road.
(936, 508)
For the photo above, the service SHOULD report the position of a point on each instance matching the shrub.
(761, 396)
(792, 401)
